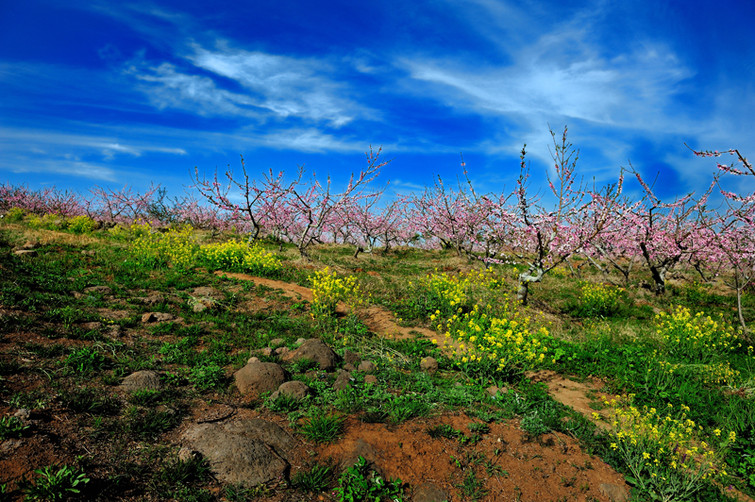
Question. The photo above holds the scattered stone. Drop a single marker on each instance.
(350, 357)
(315, 350)
(253, 359)
(152, 317)
(141, 380)
(266, 351)
(370, 379)
(153, 300)
(361, 449)
(615, 493)
(295, 389)
(275, 342)
(24, 415)
(215, 413)
(102, 290)
(256, 378)
(493, 391)
(281, 351)
(343, 381)
(349, 367)
(186, 454)
(299, 341)
(367, 366)
(246, 453)
(429, 364)
(428, 492)
(207, 292)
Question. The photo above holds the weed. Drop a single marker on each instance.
(151, 423)
(284, 403)
(316, 480)
(86, 400)
(444, 431)
(207, 376)
(472, 487)
(84, 361)
(53, 484)
(12, 427)
(322, 428)
(360, 483)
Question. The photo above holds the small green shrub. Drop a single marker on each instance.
(360, 483)
(12, 427)
(15, 214)
(81, 224)
(84, 361)
(207, 376)
(323, 428)
(315, 480)
(54, 485)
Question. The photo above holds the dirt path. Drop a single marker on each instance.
(384, 323)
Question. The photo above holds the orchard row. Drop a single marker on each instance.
(614, 233)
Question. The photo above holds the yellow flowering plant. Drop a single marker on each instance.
(599, 300)
(695, 337)
(235, 255)
(328, 290)
(663, 449)
(176, 247)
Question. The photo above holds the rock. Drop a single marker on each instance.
(281, 351)
(295, 389)
(315, 350)
(266, 351)
(370, 379)
(275, 342)
(615, 493)
(141, 380)
(153, 300)
(253, 359)
(363, 449)
(102, 290)
(24, 415)
(493, 391)
(367, 366)
(207, 292)
(343, 381)
(299, 341)
(256, 378)
(350, 357)
(91, 326)
(186, 454)
(246, 453)
(349, 367)
(152, 317)
(428, 492)
(429, 364)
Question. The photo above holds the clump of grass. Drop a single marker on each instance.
(323, 428)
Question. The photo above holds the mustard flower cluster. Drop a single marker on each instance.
(177, 247)
(663, 451)
(240, 256)
(714, 374)
(81, 224)
(599, 299)
(452, 291)
(15, 214)
(503, 344)
(328, 290)
(695, 337)
(49, 221)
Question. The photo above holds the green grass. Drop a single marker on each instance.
(74, 371)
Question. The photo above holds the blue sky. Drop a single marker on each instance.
(121, 93)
